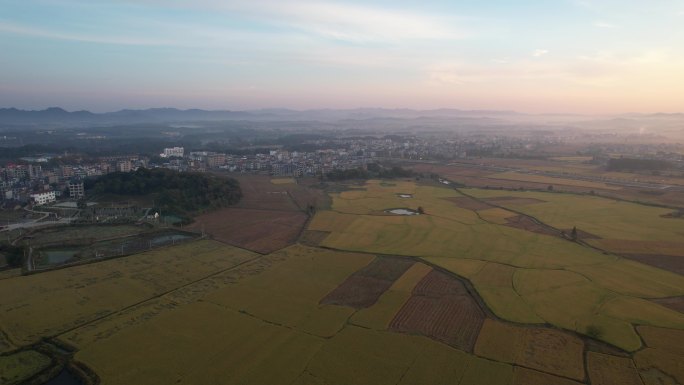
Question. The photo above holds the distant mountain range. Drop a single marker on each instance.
(59, 116)
(56, 116)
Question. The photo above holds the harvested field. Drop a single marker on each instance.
(604, 369)
(674, 303)
(304, 196)
(363, 288)
(259, 193)
(441, 308)
(469, 203)
(437, 284)
(380, 315)
(526, 223)
(515, 201)
(313, 237)
(547, 350)
(257, 230)
(671, 263)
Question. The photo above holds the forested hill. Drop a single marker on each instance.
(180, 192)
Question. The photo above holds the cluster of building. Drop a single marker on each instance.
(279, 162)
(39, 183)
(34, 181)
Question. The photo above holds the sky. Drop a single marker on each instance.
(536, 56)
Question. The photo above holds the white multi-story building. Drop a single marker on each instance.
(44, 197)
(173, 152)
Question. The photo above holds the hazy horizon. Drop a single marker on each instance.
(592, 57)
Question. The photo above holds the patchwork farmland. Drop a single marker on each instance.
(482, 287)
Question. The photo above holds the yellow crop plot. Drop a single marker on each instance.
(522, 276)
(551, 180)
(605, 369)
(204, 312)
(203, 343)
(525, 376)
(288, 293)
(665, 352)
(48, 304)
(546, 350)
(603, 217)
(19, 367)
(283, 181)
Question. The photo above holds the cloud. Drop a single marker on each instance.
(331, 20)
(88, 38)
(347, 22)
(539, 52)
(501, 61)
(605, 25)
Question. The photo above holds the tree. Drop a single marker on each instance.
(594, 331)
(550, 188)
(420, 210)
(14, 255)
(573, 233)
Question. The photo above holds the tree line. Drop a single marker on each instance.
(630, 164)
(179, 192)
(372, 171)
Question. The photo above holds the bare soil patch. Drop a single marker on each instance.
(441, 308)
(513, 201)
(363, 288)
(469, 203)
(259, 193)
(528, 224)
(674, 303)
(262, 231)
(671, 263)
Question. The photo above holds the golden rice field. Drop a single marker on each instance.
(515, 176)
(522, 276)
(541, 309)
(283, 181)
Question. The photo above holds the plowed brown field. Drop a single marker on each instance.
(441, 308)
(363, 288)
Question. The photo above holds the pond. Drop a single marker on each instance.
(169, 238)
(405, 195)
(171, 219)
(55, 257)
(403, 212)
(65, 377)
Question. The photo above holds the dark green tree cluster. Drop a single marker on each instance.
(373, 171)
(175, 191)
(354, 173)
(628, 164)
(13, 254)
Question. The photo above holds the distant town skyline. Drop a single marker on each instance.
(534, 56)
